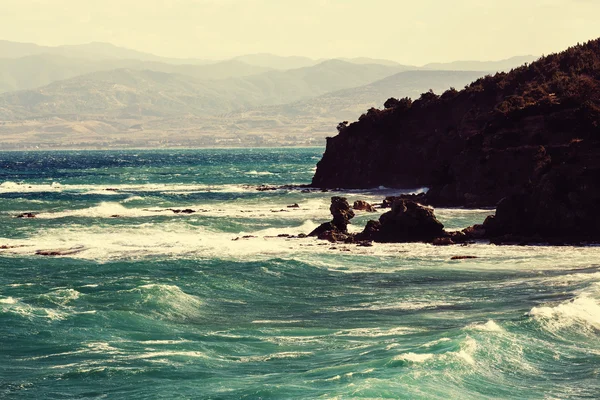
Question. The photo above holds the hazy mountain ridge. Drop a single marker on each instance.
(101, 97)
(90, 51)
(491, 66)
(35, 71)
(161, 93)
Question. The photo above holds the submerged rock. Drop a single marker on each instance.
(178, 211)
(463, 257)
(60, 252)
(26, 215)
(264, 188)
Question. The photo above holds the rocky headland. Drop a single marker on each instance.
(526, 142)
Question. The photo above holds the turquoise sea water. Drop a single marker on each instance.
(153, 304)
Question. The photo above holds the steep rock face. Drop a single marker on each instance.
(562, 206)
(498, 137)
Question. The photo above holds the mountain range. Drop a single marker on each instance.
(78, 96)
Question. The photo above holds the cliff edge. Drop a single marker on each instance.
(531, 135)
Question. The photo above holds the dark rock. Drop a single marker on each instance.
(7, 247)
(302, 235)
(333, 236)
(458, 237)
(370, 232)
(463, 257)
(60, 252)
(264, 188)
(342, 214)
(442, 241)
(178, 211)
(112, 189)
(530, 137)
(362, 205)
(475, 232)
(244, 237)
(295, 205)
(420, 198)
(26, 215)
(408, 222)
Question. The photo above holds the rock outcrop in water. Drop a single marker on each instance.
(337, 229)
(406, 222)
(361, 205)
(530, 137)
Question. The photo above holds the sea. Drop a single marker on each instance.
(166, 274)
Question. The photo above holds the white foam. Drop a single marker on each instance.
(405, 305)
(275, 356)
(489, 326)
(259, 173)
(109, 189)
(8, 300)
(272, 321)
(159, 354)
(467, 351)
(436, 342)
(376, 332)
(413, 357)
(61, 296)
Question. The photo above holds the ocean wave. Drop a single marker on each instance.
(168, 301)
(8, 300)
(582, 312)
(61, 297)
(17, 307)
(489, 326)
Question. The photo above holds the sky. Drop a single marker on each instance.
(412, 32)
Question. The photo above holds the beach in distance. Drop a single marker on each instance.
(167, 274)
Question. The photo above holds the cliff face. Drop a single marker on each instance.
(500, 136)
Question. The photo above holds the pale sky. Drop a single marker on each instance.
(411, 32)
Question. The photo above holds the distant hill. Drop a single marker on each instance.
(346, 103)
(40, 70)
(367, 60)
(90, 51)
(155, 93)
(273, 61)
(489, 66)
(322, 113)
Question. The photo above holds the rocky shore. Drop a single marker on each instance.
(527, 141)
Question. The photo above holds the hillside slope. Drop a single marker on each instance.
(150, 92)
